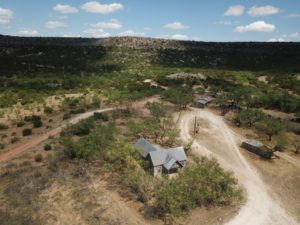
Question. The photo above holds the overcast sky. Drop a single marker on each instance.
(205, 20)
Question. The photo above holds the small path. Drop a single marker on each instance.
(282, 155)
(23, 147)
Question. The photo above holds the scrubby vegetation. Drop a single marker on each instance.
(203, 183)
(111, 71)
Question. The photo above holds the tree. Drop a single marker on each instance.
(157, 110)
(250, 116)
(180, 96)
(271, 126)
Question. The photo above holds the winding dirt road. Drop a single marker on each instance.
(217, 140)
(34, 141)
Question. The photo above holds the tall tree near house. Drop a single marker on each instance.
(271, 127)
(157, 110)
(180, 96)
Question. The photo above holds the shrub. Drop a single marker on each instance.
(20, 124)
(32, 118)
(3, 126)
(203, 184)
(2, 146)
(38, 158)
(66, 116)
(14, 140)
(37, 123)
(47, 147)
(27, 132)
(89, 145)
(78, 111)
(48, 110)
(101, 116)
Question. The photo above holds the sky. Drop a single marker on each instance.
(203, 20)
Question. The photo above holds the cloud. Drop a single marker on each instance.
(276, 40)
(236, 10)
(132, 33)
(62, 17)
(65, 9)
(147, 28)
(259, 26)
(225, 22)
(285, 37)
(97, 33)
(176, 37)
(55, 25)
(112, 24)
(263, 10)
(293, 15)
(176, 26)
(6, 15)
(28, 32)
(293, 35)
(97, 7)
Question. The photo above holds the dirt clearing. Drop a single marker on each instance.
(217, 140)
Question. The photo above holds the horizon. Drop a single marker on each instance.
(212, 21)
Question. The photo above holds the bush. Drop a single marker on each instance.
(20, 124)
(2, 146)
(101, 116)
(32, 118)
(78, 111)
(48, 110)
(66, 116)
(37, 123)
(82, 128)
(14, 140)
(204, 184)
(27, 132)
(89, 145)
(47, 147)
(38, 158)
(3, 126)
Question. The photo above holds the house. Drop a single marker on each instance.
(257, 148)
(165, 161)
(204, 100)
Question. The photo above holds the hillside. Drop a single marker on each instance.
(278, 56)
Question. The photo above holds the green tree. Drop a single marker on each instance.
(271, 126)
(158, 110)
(250, 116)
(180, 96)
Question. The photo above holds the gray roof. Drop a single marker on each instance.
(205, 99)
(166, 157)
(170, 164)
(254, 143)
(161, 157)
(145, 147)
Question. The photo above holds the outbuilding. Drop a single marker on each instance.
(204, 100)
(258, 148)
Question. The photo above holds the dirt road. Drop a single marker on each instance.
(22, 147)
(215, 139)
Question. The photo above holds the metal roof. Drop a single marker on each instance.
(163, 156)
(168, 165)
(254, 143)
(159, 156)
(145, 147)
